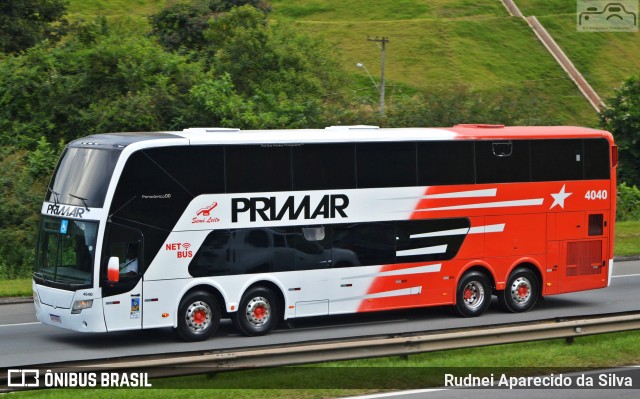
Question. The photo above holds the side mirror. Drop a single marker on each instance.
(113, 270)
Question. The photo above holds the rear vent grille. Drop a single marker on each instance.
(584, 257)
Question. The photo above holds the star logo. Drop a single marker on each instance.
(558, 199)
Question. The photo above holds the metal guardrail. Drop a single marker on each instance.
(317, 352)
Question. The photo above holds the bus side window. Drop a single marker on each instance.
(214, 256)
(367, 243)
(126, 244)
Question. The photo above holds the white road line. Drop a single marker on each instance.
(20, 324)
(389, 394)
(626, 275)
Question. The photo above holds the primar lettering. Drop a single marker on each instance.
(69, 211)
(268, 208)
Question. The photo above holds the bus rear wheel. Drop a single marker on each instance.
(258, 312)
(198, 316)
(473, 295)
(521, 293)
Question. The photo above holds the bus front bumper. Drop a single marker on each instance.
(87, 320)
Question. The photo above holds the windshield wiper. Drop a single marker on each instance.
(56, 197)
(84, 201)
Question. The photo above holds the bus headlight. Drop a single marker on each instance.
(79, 305)
(36, 298)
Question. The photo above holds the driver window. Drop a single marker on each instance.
(125, 244)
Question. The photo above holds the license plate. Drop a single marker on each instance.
(55, 318)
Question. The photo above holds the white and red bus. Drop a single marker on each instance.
(181, 229)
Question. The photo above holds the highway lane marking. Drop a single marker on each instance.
(401, 393)
(20, 324)
(626, 275)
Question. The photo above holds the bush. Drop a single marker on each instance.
(21, 192)
(628, 207)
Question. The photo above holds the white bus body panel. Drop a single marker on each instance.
(53, 307)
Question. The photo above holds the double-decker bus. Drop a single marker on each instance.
(181, 229)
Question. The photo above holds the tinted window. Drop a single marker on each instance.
(214, 256)
(83, 173)
(553, 160)
(324, 166)
(162, 181)
(502, 161)
(258, 168)
(364, 244)
(596, 159)
(445, 162)
(386, 164)
(261, 250)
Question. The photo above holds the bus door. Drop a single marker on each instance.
(122, 301)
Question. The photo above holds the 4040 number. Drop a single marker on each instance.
(593, 195)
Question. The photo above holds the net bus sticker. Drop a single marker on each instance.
(181, 249)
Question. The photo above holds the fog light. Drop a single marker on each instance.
(79, 305)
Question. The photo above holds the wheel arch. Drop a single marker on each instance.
(478, 266)
(274, 287)
(201, 286)
(531, 265)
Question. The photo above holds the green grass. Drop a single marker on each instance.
(21, 287)
(488, 54)
(355, 10)
(87, 9)
(605, 59)
(415, 371)
(627, 238)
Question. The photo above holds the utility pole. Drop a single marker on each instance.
(383, 41)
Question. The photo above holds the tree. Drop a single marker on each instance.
(181, 26)
(622, 118)
(103, 80)
(287, 77)
(24, 23)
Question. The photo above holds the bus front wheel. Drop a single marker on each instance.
(521, 293)
(198, 316)
(258, 312)
(473, 295)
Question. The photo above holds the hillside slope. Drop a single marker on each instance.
(443, 44)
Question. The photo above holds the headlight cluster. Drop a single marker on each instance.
(82, 304)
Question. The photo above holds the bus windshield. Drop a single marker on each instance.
(82, 176)
(65, 253)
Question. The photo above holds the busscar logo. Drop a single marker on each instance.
(204, 215)
(269, 208)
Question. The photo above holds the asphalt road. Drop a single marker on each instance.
(24, 341)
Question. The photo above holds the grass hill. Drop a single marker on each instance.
(605, 59)
(442, 44)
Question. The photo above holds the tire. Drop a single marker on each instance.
(521, 293)
(258, 312)
(473, 295)
(198, 316)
